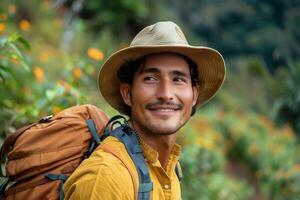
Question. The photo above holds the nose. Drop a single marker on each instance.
(165, 91)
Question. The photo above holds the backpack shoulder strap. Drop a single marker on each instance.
(125, 134)
(178, 171)
(135, 152)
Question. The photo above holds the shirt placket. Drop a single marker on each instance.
(163, 176)
(165, 183)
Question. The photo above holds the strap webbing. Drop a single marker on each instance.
(93, 131)
(3, 186)
(178, 171)
(61, 177)
(96, 138)
(134, 150)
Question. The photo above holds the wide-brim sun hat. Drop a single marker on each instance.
(163, 37)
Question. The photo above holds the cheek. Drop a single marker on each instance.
(187, 96)
(141, 94)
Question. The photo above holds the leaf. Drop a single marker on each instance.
(25, 63)
(24, 42)
(13, 38)
(12, 55)
(7, 69)
(2, 78)
(13, 46)
(4, 73)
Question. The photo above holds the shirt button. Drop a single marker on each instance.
(166, 186)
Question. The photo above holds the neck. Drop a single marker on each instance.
(163, 144)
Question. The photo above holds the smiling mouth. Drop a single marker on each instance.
(164, 108)
(163, 112)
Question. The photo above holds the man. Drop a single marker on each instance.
(158, 81)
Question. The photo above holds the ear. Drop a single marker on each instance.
(125, 93)
(196, 89)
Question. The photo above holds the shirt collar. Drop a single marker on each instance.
(152, 155)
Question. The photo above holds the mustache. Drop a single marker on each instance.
(164, 103)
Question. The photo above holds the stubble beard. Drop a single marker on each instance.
(159, 127)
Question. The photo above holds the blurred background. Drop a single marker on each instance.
(244, 144)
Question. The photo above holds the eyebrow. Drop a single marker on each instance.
(179, 73)
(156, 70)
(149, 70)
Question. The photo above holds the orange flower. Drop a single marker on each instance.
(2, 27)
(267, 122)
(287, 132)
(77, 73)
(24, 25)
(12, 9)
(56, 110)
(38, 74)
(95, 54)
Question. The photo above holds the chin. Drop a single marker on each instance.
(165, 129)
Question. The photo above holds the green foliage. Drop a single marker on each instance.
(112, 15)
(10, 51)
(204, 178)
(268, 153)
(266, 28)
(25, 99)
(287, 106)
(50, 80)
(11, 54)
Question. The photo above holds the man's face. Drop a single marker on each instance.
(161, 96)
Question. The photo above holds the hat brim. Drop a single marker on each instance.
(210, 63)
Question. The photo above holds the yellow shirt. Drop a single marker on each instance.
(103, 176)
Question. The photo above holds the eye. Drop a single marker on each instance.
(179, 80)
(149, 79)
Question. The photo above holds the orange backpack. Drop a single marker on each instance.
(41, 156)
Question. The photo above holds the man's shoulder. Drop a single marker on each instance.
(101, 162)
(102, 172)
(103, 157)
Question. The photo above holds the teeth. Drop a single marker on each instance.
(166, 110)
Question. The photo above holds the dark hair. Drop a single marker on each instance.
(130, 67)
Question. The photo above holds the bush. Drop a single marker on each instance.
(214, 139)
